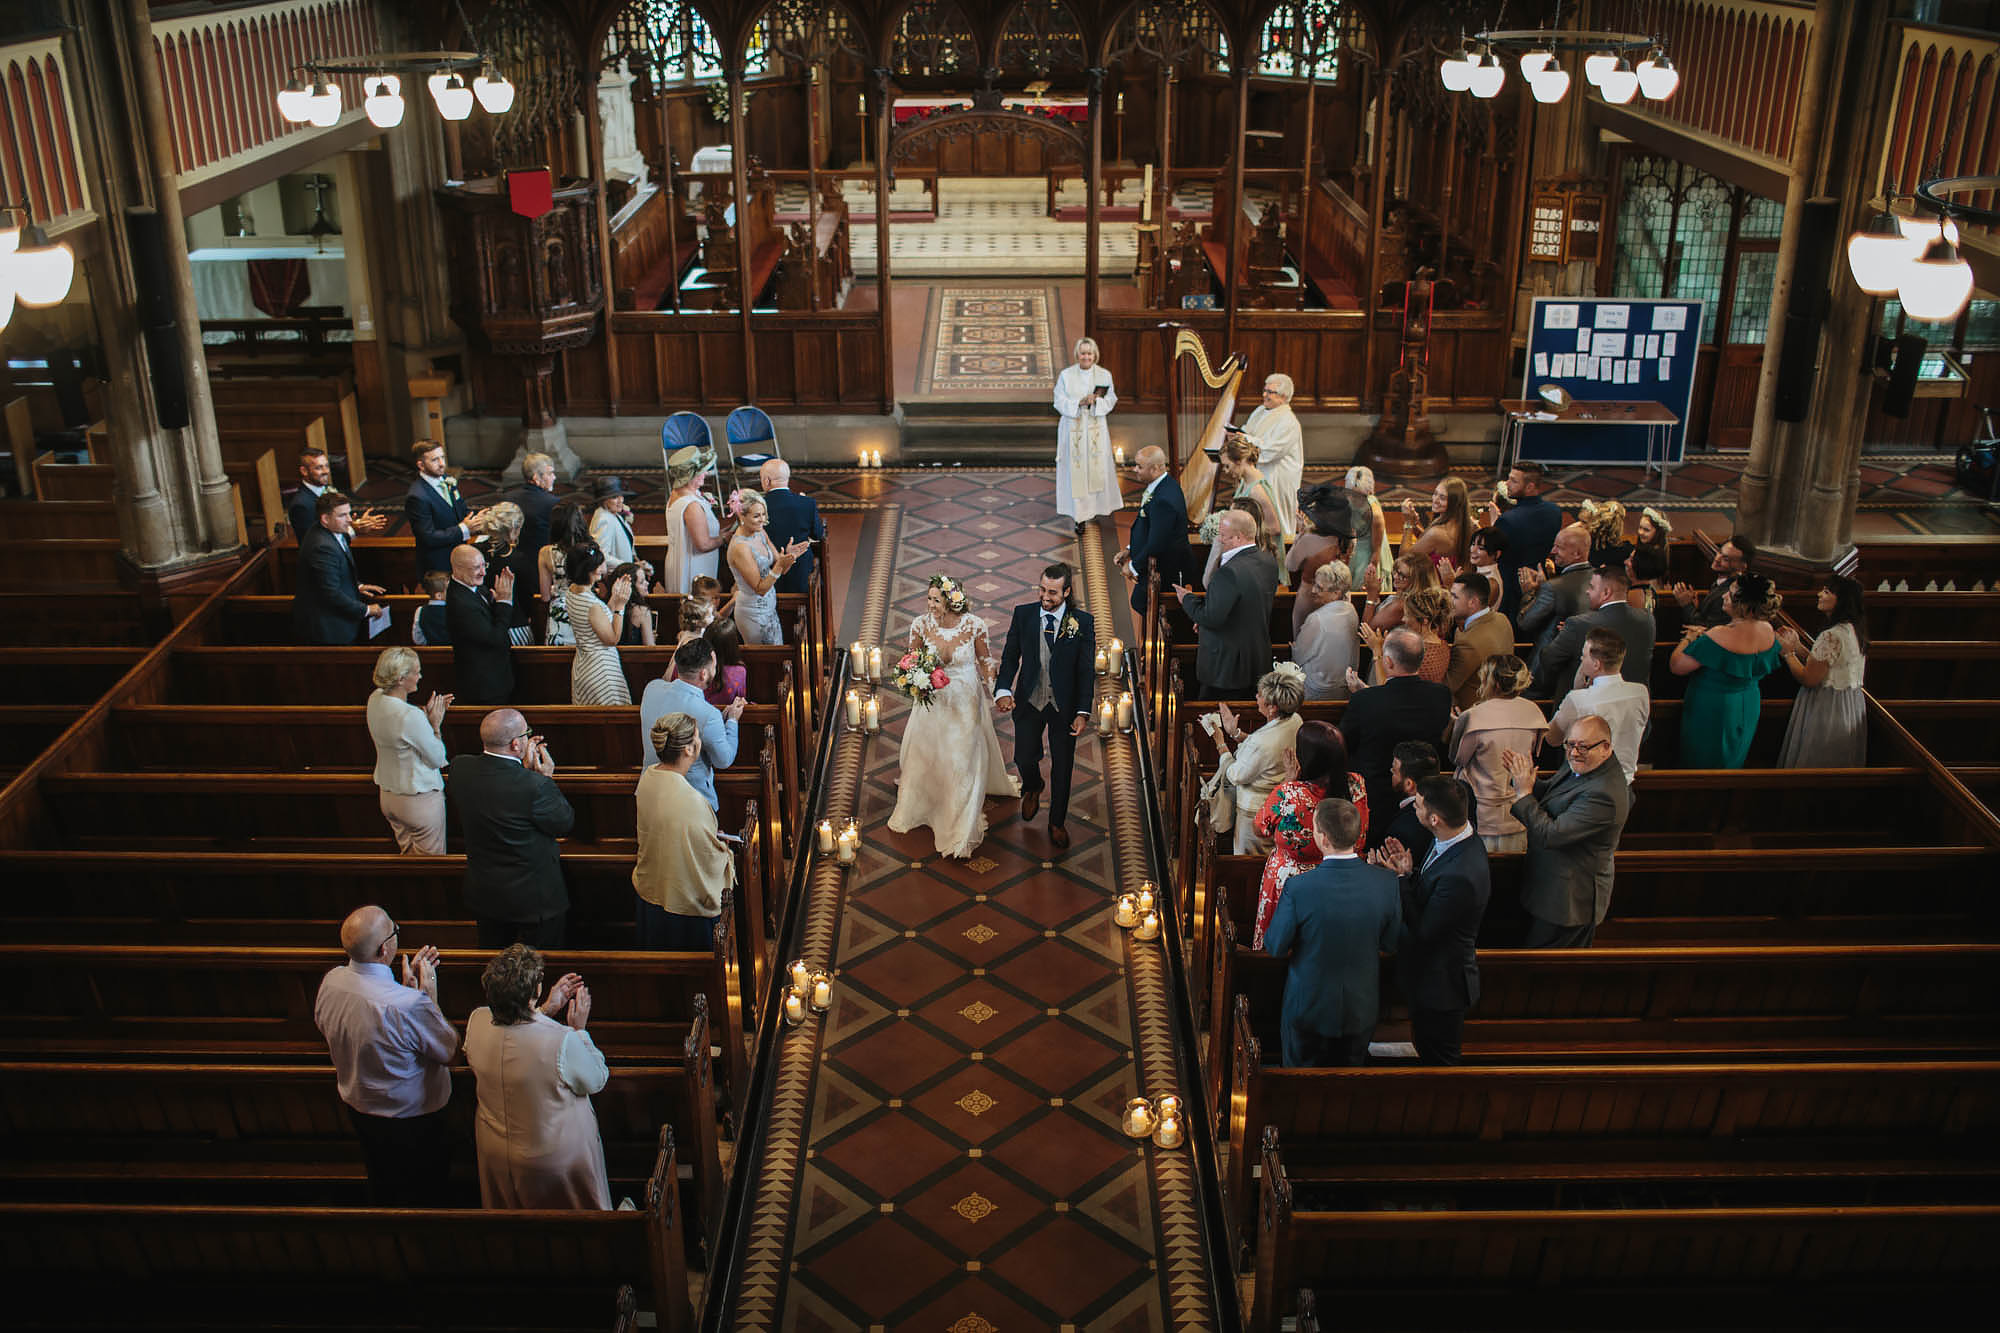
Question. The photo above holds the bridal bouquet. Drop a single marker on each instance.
(920, 674)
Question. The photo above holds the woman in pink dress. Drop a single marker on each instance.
(1315, 765)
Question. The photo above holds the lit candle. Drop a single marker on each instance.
(864, 458)
(1126, 911)
(1146, 193)
(1138, 1117)
(822, 992)
(1118, 454)
(853, 708)
(1105, 717)
(1117, 657)
(826, 835)
(846, 847)
(874, 664)
(1149, 926)
(1124, 712)
(1170, 1105)
(797, 970)
(1168, 1134)
(855, 661)
(1103, 662)
(1145, 900)
(795, 1008)
(872, 715)
(876, 459)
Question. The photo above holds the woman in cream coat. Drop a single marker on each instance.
(1255, 764)
(409, 753)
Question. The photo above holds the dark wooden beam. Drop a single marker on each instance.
(1719, 158)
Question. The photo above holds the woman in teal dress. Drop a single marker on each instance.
(1725, 666)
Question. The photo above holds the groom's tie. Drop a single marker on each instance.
(1049, 629)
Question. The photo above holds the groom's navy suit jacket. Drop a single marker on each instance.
(1072, 661)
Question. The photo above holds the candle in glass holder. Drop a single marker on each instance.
(822, 992)
(1103, 662)
(1145, 901)
(1105, 717)
(1139, 1119)
(853, 708)
(875, 459)
(1124, 712)
(874, 664)
(1126, 911)
(1169, 1105)
(1168, 1133)
(871, 715)
(795, 1007)
(855, 661)
(796, 970)
(826, 835)
(1117, 655)
(1149, 926)
(846, 847)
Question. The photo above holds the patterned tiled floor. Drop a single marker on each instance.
(943, 1149)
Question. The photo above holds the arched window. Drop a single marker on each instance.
(679, 41)
(1301, 39)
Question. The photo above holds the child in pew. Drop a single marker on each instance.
(429, 629)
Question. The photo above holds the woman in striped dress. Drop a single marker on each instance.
(596, 677)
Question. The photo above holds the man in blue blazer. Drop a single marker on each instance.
(1334, 922)
(439, 517)
(329, 603)
(794, 518)
(1160, 533)
(1048, 675)
(1444, 900)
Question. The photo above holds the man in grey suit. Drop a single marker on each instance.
(1555, 671)
(1573, 818)
(1234, 615)
(1546, 602)
(1334, 922)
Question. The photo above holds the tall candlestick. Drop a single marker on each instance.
(853, 708)
(1117, 655)
(1105, 718)
(872, 715)
(1146, 195)
(826, 835)
(874, 664)
(1124, 712)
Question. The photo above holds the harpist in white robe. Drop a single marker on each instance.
(1086, 476)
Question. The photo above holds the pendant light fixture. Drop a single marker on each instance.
(38, 271)
(1621, 84)
(1535, 60)
(1934, 288)
(1877, 254)
(1550, 83)
(454, 100)
(1658, 79)
(314, 97)
(495, 94)
(1597, 65)
(1538, 54)
(384, 103)
(1456, 70)
(1488, 76)
(1916, 255)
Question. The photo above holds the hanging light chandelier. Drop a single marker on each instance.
(1608, 66)
(1914, 257)
(314, 98)
(33, 269)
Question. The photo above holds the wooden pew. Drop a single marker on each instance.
(207, 1133)
(250, 402)
(81, 562)
(1914, 615)
(61, 675)
(1932, 669)
(158, 1265)
(28, 729)
(72, 481)
(175, 1003)
(1804, 1266)
(1957, 731)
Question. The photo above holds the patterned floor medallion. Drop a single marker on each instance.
(944, 1148)
(988, 338)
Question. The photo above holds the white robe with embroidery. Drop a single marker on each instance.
(1086, 476)
(1281, 456)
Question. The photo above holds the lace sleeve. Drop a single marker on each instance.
(916, 634)
(982, 654)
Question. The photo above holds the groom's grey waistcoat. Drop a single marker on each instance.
(1044, 695)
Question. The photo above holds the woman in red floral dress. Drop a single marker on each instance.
(1315, 765)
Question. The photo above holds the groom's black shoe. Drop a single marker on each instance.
(1031, 804)
(1059, 836)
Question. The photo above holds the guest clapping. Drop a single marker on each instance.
(1829, 727)
(409, 753)
(693, 669)
(758, 565)
(1573, 819)
(1256, 765)
(684, 866)
(1327, 644)
(1500, 721)
(1315, 768)
(596, 675)
(1727, 664)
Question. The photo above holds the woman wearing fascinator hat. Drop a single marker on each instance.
(696, 534)
(1725, 666)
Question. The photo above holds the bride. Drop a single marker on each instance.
(951, 760)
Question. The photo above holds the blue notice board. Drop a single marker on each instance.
(1610, 351)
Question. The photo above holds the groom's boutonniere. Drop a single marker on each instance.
(1070, 628)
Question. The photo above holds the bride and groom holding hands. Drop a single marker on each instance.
(1046, 678)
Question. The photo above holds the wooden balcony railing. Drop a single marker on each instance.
(39, 164)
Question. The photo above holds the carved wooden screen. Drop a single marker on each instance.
(935, 37)
(1042, 38)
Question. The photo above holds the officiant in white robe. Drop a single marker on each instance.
(1281, 453)
(1086, 475)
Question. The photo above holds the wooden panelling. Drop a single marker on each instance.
(671, 361)
(1947, 102)
(1742, 63)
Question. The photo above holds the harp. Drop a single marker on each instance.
(1201, 399)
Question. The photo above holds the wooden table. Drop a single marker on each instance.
(1517, 414)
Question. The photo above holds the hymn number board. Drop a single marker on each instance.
(1566, 228)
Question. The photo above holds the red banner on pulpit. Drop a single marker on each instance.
(531, 193)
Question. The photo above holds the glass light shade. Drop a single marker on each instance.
(384, 107)
(1456, 73)
(494, 92)
(1657, 76)
(1877, 256)
(437, 81)
(41, 272)
(1935, 287)
(1489, 78)
(323, 106)
(454, 100)
(1922, 229)
(6, 300)
(292, 100)
(1621, 85)
(395, 82)
(1550, 83)
(1534, 62)
(10, 241)
(1597, 66)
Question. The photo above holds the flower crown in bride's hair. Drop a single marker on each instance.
(954, 596)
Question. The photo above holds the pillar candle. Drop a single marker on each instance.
(1105, 718)
(864, 458)
(853, 708)
(856, 662)
(1149, 927)
(826, 835)
(1146, 195)
(872, 715)
(797, 972)
(822, 993)
(874, 664)
(1138, 1117)
(1168, 1134)
(795, 1008)
(1117, 655)
(1118, 454)
(1103, 662)
(1124, 712)
(1145, 897)
(846, 848)
(1126, 911)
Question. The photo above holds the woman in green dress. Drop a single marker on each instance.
(1725, 666)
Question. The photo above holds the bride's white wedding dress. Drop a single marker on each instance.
(951, 760)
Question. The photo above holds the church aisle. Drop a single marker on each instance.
(942, 1150)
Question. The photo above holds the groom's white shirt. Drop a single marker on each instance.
(1062, 609)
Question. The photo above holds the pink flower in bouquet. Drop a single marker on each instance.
(909, 660)
(938, 679)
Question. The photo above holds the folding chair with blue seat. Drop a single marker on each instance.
(750, 428)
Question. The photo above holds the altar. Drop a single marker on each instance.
(1076, 110)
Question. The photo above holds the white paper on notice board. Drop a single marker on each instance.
(1607, 344)
(1559, 317)
(1666, 369)
(1617, 372)
(1632, 372)
(1664, 316)
(1583, 340)
(1566, 365)
(1667, 341)
(1613, 316)
(1648, 344)
(1590, 366)
(1541, 365)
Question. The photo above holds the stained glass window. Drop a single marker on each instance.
(1301, 39)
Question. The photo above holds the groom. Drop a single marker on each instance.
(1050, 663)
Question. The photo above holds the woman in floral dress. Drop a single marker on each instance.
(1315, 765)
